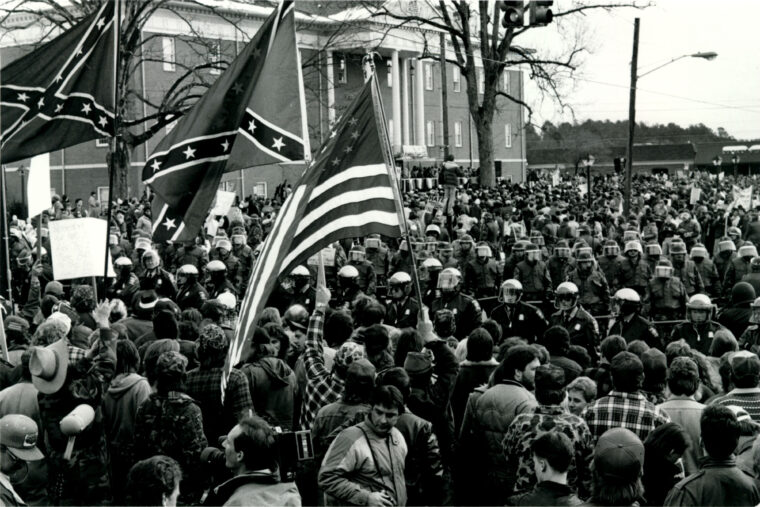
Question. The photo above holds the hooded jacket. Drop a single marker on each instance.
(272, 384)
(124, 396)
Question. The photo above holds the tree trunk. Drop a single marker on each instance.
(120, 166)
(484, 130)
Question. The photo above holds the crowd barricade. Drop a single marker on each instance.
(412, 184)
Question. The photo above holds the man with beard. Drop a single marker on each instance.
(345, 476)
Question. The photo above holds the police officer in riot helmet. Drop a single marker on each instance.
(740, 265)
(610, 260)
(750, 338)
(155, 277)
(244, 254)
(191, 293)
(533, 275)
(403, 307)
(466, 252)
(707, 270)
(377, 253)
(223, 251)
(466, 309)
(652, 254)
(516, 317)
(581, 326)
(627, 321)
(634, 273)
(217, 281)
(753, 277)
(667, 293)
(402, 260)
(357, 257)
(592, 286)
(482, 274)
(446, 255)
(516, 256)
(685, 269)
(699, 329)
(560, 263)
(303, 293)
(431, 268)
(126, 284)
(725, 252)
(348, 286)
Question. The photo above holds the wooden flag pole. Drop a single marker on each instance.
(381, 122)
(3, 341)
(4, 226)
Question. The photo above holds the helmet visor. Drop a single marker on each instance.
(755, 317)
(447, 281)
(663, 271)
(562, 252)
(356, 255)
(612, 250)
(533, 255)
(565, 301)
(698, 316)
(510, 295)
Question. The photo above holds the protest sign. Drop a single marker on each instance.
(223, 202)
(78, 248)
(38, 186)
(695, 195)
(328, 257)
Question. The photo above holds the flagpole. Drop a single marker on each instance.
(114, 140)
(4, 217)
(377, 102)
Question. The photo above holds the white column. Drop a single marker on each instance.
(419, 102)
(396, 95)
(405, 100)
(330, 89)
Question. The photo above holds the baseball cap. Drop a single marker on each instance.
(19, 434)
(619, 455)
(745, 364)
(417, 363)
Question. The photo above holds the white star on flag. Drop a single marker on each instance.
(278, 144)
(189, 152)
(348, 149)
(102, 121)
(336, 161)
(41, 102)
(333, 134)
(156, 165)
(100, 23)
(23, 97)
(59, 77)
(225, 145)
(251, 126)
(353, 121)
(59, 107)
(86, 108)
(169, 224)
(355, 134)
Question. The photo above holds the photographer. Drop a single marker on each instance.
(250, 452)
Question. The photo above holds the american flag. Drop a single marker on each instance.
(61, 94)
(252, 115)
(348, 191)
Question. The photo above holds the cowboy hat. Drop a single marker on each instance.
(48, 366)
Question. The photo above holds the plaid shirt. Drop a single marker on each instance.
(204, 386)
(322, 386)
(76, 354)
(527, 427)
(623, 410)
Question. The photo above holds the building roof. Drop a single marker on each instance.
(641, 153)
(748, 151)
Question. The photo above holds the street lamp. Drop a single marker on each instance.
(588, 161)
(632, 104)
(717, 162)
(735, 159)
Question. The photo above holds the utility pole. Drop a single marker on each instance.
(444, 97)
(631, 119)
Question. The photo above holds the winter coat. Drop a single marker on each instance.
(719, 482)
(471, 376)
(423, 470)
(255, 488)
(272, 383)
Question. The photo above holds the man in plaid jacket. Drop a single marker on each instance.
(624, 406)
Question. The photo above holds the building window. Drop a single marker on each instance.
(101, 143)
(260, 189)
(505, 81)
(428, 76)
(458, 134)
(216, 51)
(342, 73)
(481, 81)
(227, 186)
(508, 135)
(103, 196)
(168, 53)
(430, 133)
(457, 78)
(389, 64)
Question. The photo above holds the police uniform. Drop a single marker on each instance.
(721, 264)
(367, 280)
(689, 275)
(380, 259)
(306, 297)
(699, 337)
(594, 293)
(192, 296)
(401, 261)
(520, 319)
(402, 314)
(535, 280)
(637, 328)
(244, 253)
(430, 292)
(583, 329)
(750, 339)
(559, 268)
(214, 290)
(610, 266)
(466, 311)
(193, 255)
(124, 289)
(737, 268)
(634, 276)
(668, 298)
(161, 281)
(480, 278)
(710, 277)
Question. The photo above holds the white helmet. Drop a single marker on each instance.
(432, 228)
(632, 245)
(510, 291)
(399, 277)
(698, 251)
(699, 308)
(566, 296)
(432, 263)
(449, 279)
(626, 301)
(348, 271)
(300, 271)
(216, 266)
(747, 251)
(123, 261)
(187, 269)
(227, 299)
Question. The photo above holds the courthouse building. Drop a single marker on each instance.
(332, 47)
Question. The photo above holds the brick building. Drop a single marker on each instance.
(332, 49)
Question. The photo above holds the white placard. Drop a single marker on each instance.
(78, 248)
(328, 256)
(38, 186)
(695, 194)
(223, 202)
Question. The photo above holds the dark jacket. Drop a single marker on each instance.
(272, 384)
(660, 475)
(525, 321)
(423, 470)
(471, 375)
(718, 482)
(547, 493)
(736, 318)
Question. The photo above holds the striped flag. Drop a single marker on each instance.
(61, 94)
(252, 115)
(348, 191)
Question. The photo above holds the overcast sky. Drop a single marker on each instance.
(724, 92)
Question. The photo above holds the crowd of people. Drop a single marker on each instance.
(527, 344)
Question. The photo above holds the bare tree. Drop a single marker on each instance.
(475, 32)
